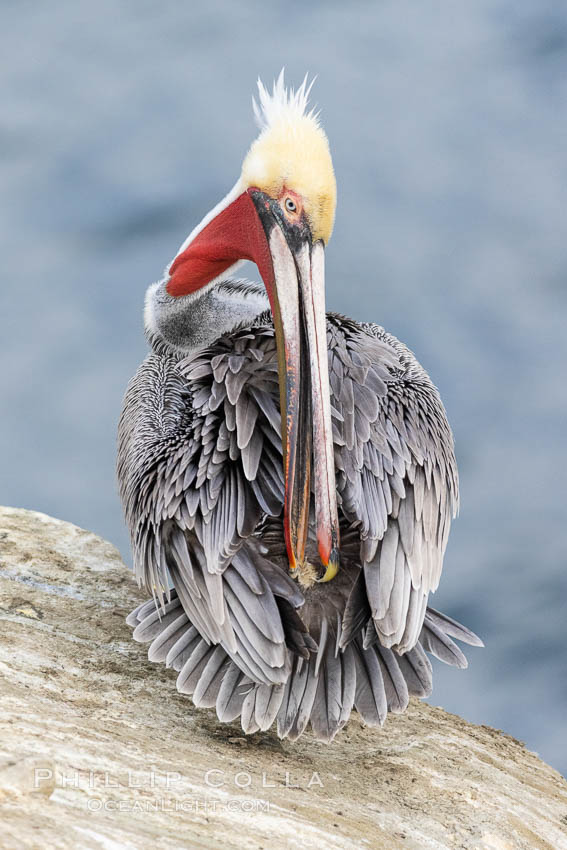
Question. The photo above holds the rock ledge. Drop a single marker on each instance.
(97, 750)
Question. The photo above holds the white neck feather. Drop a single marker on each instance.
(191, 322)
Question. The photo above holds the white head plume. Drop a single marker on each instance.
(282, 104)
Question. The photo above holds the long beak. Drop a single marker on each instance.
(298, 307)
(249, 224)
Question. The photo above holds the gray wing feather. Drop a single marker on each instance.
(397, 473)
(266, 653)
(197, 494)
(261, 607)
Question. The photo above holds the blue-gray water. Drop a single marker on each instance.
(122, 123)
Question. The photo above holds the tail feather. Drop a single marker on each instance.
(348, 685)
(164, 642)
(305, 706)
(452, 628)
(267, 702)
(370, 696)
(437, 643)
(298, 699)
(248, 716)
(140, 613)
(417, 671)
(395, 686)
(292, 696)
(181, 649)
(327, 705)
(191, 671)
(153, 625)
(210, 681)
(321, 689)
(357, 612)
(232, 693)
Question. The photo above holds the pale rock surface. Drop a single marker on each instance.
(97, 750)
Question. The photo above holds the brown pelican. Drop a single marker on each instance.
(290, 558)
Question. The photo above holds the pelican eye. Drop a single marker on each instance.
(290, 205)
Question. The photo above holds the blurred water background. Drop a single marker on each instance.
(122, 123)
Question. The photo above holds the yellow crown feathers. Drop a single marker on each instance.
(292, 150)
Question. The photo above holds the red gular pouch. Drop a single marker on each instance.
(236, 233)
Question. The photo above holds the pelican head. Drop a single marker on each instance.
(280, 215)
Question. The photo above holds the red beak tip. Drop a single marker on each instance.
(328, 555)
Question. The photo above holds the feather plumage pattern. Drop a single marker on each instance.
(200, 473)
